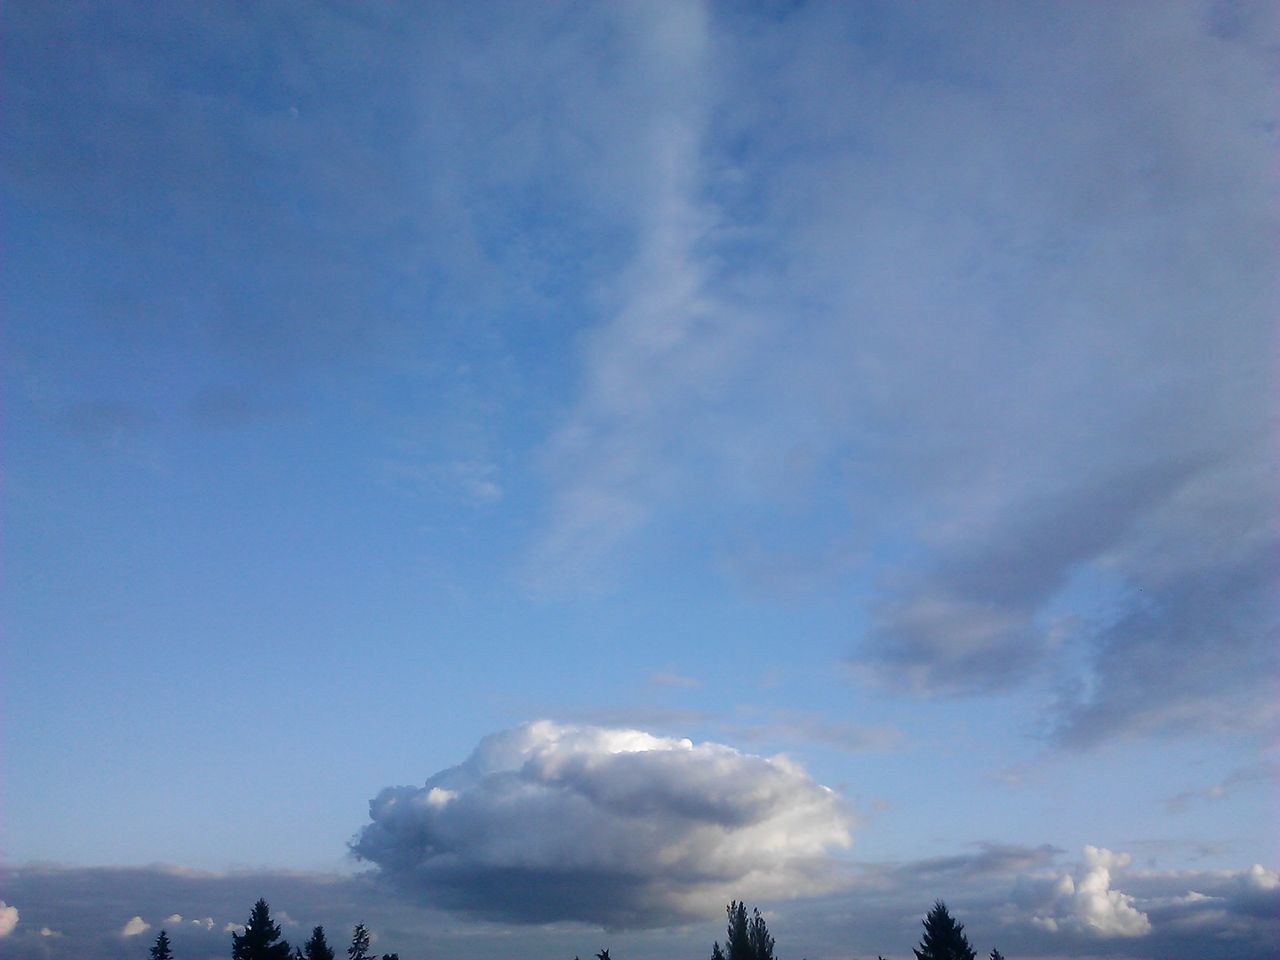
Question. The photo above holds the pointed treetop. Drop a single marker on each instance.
(360, 939)
(261, 937)
(317, 947)
(161, 950)
(943, 938)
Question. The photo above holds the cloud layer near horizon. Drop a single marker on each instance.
(609, 826)
(1000, 892)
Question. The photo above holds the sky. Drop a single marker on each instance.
(523, 475)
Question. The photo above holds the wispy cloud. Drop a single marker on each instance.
(969, 354)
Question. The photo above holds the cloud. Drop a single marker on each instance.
(8, 918)
(849, 737)
(1242, 777)
(134, 927)
(994, 889)
(1085, 902)
(610, 826)
(668, 679)
(993, 332)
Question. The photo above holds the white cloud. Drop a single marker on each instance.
(8, 918)
(1086, 903)
(206, 922)
(1259, 879)
(173, 918)
(614, 826)
(49, 932)
(135, 927)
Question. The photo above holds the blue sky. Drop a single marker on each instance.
(875, 401)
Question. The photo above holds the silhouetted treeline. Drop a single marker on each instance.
(747, 937)
(261, 940)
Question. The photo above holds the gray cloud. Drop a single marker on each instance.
(996, 890)
(610, 826)
(1253, 775)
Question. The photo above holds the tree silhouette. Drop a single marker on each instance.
(318, 947)
(261, 937)
(943, 938)
(996, 955)
(745, 938)
(737, 942)
(161, 950)
(359, 949)
(758, 935)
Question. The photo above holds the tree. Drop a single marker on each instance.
(359, 949)
(745, 938)
(943, 938)
(261, 937)
(758, 935)
(317, 946)
(603, 954)
(737, 944)
(161, 950)
(996, 955)
(391, 956)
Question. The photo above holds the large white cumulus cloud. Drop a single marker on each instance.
(1087, 904)
(618, 827)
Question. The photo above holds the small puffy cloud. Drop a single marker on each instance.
(1086, 903)
(47, 932)
(612, 826)
(206, 922)
(135, 927)
(233, 928)
(8, 918)
(173, 918)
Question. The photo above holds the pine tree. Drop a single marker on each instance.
(359, 949)
(737, 942)
(943, 938)
(996, 955)
(261, 938)
(716, 952)
(318, 947)
(161, 950)
(758, 936)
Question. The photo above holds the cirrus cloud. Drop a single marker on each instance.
(618, 827)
